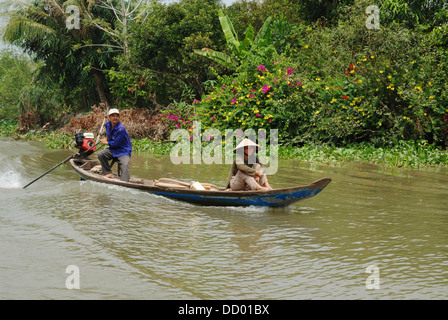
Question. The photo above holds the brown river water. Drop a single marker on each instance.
(373, 233)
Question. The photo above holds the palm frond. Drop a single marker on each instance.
(20, 28)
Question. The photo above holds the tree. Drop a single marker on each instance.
(125, 12)
(40, 28)
(161, 61)
(414, 12)
(16, 72)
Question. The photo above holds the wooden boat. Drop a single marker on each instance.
(212, 196)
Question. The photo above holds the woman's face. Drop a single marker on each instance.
(249, 150)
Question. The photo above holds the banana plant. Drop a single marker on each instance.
(238, 49)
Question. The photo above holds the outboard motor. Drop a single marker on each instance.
(85, 143)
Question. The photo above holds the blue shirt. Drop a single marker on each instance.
(118, 140)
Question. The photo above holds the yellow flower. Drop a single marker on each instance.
(373, 57)
(431, 97)
(306, 47)
(317, 112)
(381, 71)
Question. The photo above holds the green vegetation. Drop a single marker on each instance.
(334, 89)
(405, 154)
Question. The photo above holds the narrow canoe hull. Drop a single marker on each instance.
(273, 198)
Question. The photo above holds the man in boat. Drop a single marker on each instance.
(247, 172)
(120, 147)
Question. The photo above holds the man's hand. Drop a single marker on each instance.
(104, 141)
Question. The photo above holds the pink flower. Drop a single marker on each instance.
(289, 71)
(196, 101)
(213, 118)
(265, 88)
(299, 83)
(261, 68)
(258, 115)
(251, 96)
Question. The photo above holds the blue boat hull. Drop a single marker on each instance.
(273, 198)
(268, 200)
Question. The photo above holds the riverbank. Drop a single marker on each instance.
(407, 154)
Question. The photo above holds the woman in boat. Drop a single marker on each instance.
(247, 172)
(120, 147)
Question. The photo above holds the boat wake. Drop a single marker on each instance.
(10, 179)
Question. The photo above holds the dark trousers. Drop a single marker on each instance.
(104, 156)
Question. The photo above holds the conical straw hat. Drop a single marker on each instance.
(247, 143)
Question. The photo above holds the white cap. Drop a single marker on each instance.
(112, 111)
